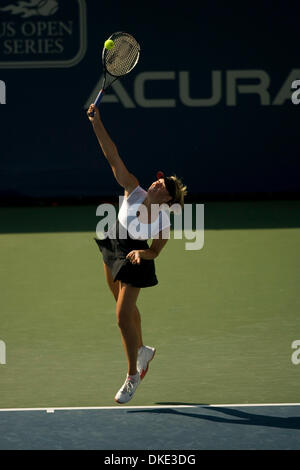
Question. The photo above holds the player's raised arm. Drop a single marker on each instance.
(126, 179)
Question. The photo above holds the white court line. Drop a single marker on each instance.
(228, 405)
(51, 409)
(83, 408)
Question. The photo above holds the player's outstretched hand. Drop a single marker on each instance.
(93, 113)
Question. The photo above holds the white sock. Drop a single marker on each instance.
(133, 377)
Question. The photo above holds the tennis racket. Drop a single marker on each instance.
(118, 61)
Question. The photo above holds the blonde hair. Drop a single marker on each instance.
(181, 190)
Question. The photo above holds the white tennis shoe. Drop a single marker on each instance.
(127, 390)
(145, 355)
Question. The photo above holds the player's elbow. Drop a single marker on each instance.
(157, 246)
(111, 154)
(154, 252)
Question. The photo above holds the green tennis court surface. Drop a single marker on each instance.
(222, 319)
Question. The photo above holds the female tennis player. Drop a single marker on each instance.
(128, 259)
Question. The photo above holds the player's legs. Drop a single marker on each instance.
(138, 325)
(126, 314)
(113, 285)
(115, 288)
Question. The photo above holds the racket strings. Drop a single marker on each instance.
(123, 57)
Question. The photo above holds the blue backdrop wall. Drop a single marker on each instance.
(210, 99)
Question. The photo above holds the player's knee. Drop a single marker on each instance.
(123, 318)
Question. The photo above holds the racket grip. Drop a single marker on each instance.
(99, 98)
(97, 101)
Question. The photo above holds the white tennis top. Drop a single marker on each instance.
(129, 213)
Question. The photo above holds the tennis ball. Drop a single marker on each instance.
(109, 44)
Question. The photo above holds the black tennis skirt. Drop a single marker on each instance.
(114, 252)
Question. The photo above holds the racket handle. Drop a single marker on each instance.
(97, 100)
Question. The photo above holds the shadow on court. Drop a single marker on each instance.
(237, 417)
(203, 427)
